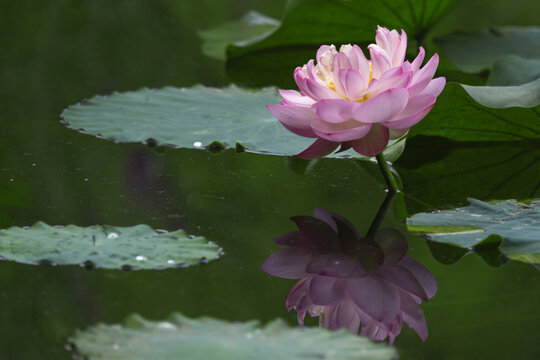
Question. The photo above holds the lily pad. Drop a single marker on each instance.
(484, 113)
(198, 117)
(136, 247)
(437, 172)
(501, 97)
(513, 70)
(477, 51)
(250, 28)
(515, 224)
(316, 22)
(205, 338)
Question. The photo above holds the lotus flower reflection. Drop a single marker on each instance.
(350, 281)
(351, 101)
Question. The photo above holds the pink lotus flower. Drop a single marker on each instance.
(349, 281)
(350, 101)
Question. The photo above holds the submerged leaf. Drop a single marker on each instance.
(513, 226)
(136, 247)
(446, 253)
(206, 338)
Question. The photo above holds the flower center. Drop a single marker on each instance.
(329, 82)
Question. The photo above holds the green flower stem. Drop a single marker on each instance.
(392, 189)
(387, 173)
(376, 223)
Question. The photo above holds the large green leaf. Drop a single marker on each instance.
(484, 144)
(202, 117)
(484, 113)
(477, 51)
(438, 173)
(316, 22)
(205, 338)
(516, 224)
(197, 117)
(136, 247)
(250, 28)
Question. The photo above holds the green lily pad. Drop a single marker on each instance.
(250, 28)
(477, 51)
(484, 113)
(513, 70)
(316, 22)
(205, 338)
(210, 118)
(136, 247)
(501, 97)
(513, 225)
(198, 117)
(437, 172)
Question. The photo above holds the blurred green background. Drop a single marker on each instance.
(56, 53)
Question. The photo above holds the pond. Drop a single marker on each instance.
(58, 53)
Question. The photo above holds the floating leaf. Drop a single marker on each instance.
(484, 113)
(437, 172)
(476, 51)
(513, 70)
(250, 28)
(501, 97)
(136, 247)
(515, 224)
(206, 338)
(197, 117)
(316, 22)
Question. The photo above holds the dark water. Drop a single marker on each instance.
(56, 53)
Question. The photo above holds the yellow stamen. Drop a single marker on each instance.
(330, 84)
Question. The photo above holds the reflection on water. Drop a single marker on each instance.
(52, 174)
(351, 281)
(44, 305)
